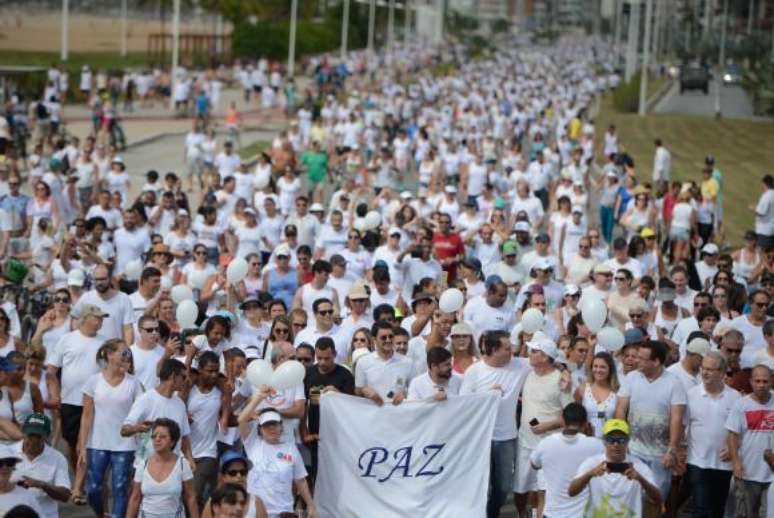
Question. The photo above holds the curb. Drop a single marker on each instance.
(650, 104)
(158, 136)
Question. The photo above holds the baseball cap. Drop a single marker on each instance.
(472, 263)
(92, 310)
(510, 248)
(521, 226)
(543, 264)
(37, 424)
(615, 425)
(6, 365)
(248, 301)
(233, 455)
(578, 209)
(492, 280)
(647, 232)
(357, 292)
(571, 289)
(698, 346)
(8, 452)
(666, 295)
(316, 207)
(422, 192)
(461, 329)
(282, 250)
(543, 238)
(710, 248)
(406, 195)
(393, 231)
(269, 417)
(450, 189)
(546, 346)
(633, 336)
(76, 277)
(619, 243)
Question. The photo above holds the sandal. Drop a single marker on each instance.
(79, 500)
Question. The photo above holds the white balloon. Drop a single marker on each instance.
(180, 293)
(372, 220)
(594, 313)
(133, 270)
(451, 300)
(611, 338)
(166, 283)
(259, 373)
(262, 180)
(532, 320)
(359, 224)
(288, 375)
(197, 278)
(237, 270)
(186, 313)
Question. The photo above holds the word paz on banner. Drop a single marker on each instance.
(373, 458)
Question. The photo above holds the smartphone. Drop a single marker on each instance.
(617, 467)
(534, 421)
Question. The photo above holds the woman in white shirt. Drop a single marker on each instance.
(196, 273)
(683, 224)
(288, 187)
(163, 487)
(107, 398)
(117, 180)
(277, 466)
(181, 240)
(598, 395)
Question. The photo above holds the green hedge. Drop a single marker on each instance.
(626, 98)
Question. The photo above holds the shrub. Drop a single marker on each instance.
(626, 98)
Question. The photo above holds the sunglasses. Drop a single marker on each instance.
(325, 312)
(200, 252)
(636, 315)
(7, 463)
(126, 354)
(237, 473)
(620, 279)
(359, 340)
(150, 329)
(282, 330)
(760, 304)
(617, 440)
(63, 300)
(304, 360)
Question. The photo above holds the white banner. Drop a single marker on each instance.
(428, 459)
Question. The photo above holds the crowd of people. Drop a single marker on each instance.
(356, 221)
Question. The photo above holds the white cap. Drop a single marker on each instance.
(578, 208)
(76, 277)
(282, 250)
(710, 248)
(272, 416)
(316, 207)
(182, 212)
(545, 345)
(450, 189)
(542, 264)
(461, 329)
(406, 195)
(698, 346)
(8, 452)
(394, 230)
(118, 160)
(521, 226)
(571, 289)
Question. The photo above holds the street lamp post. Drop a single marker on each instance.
(65, 28)
(292, 43)
(633, 39)
(345, 29)
(123, 28)
(175, 50)
(721, 60)
(391, 24)
(645, 59)
(371, 21)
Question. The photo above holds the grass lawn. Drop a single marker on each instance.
(743, 150)
(96, 60)
(254, 148)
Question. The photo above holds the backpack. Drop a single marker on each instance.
(41, 112)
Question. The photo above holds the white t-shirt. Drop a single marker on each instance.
(152, 405)
(163, 499)
(764, 214)
(706, 432)
(130, 245)
(681, 216)
(118, 308)
(541, 399)
(751, 421)
(650, 404)
(422, 387)
(204, 408)
(484, 317)
(145, 363)
(111, 406)
(558, 455)
(480, 377)
(384, 376)
(50, 467)
(753, 339)
(613, 494)
(275, 468)
(19, 496)
(283, 400)
(76, 355)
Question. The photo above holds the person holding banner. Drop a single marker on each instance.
(501, 372)
(383, 375)
(439, 381)
(277, 466)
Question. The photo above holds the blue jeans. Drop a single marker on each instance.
(501, 470)
(710, 491)
(97, 462)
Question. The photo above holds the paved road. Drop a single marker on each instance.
(734, 102)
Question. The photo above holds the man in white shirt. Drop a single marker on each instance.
(749, 443)
(751, 326)
(764, 213)
(653, 401)
(115, 304)
(708, 266)
(439, 381)
(662, 163)
(147, 296)
(227, 162)
(558, 457)
(709, 469)
(383, 375)
(488, 312)
(131, 241)
(621, 259)
(687, 369)
(147, 352)
(614, 483)
(500, 372)
(684, 294)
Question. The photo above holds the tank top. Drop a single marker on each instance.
(310, 294)
(744, 268)
(252, 286)
(23, 407)
(662, 322)
(599, 412)
(283, 286)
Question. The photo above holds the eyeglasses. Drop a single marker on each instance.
(364, 340)
(200, 252)
(150, 329)
(299, 325)
(620, 441)
(760, 304)
(620, 279)
(62, 300)
(325, 312)
(237, 473)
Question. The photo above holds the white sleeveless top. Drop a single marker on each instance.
(669, 325)
(600, 412)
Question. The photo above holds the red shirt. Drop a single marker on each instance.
(445, 247)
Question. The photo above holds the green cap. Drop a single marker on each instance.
(499, 203)
(510, 248)
(37, 424)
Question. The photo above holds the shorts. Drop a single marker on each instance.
(527, 478)
(661, 475)
(679, 234)
(71, 423)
